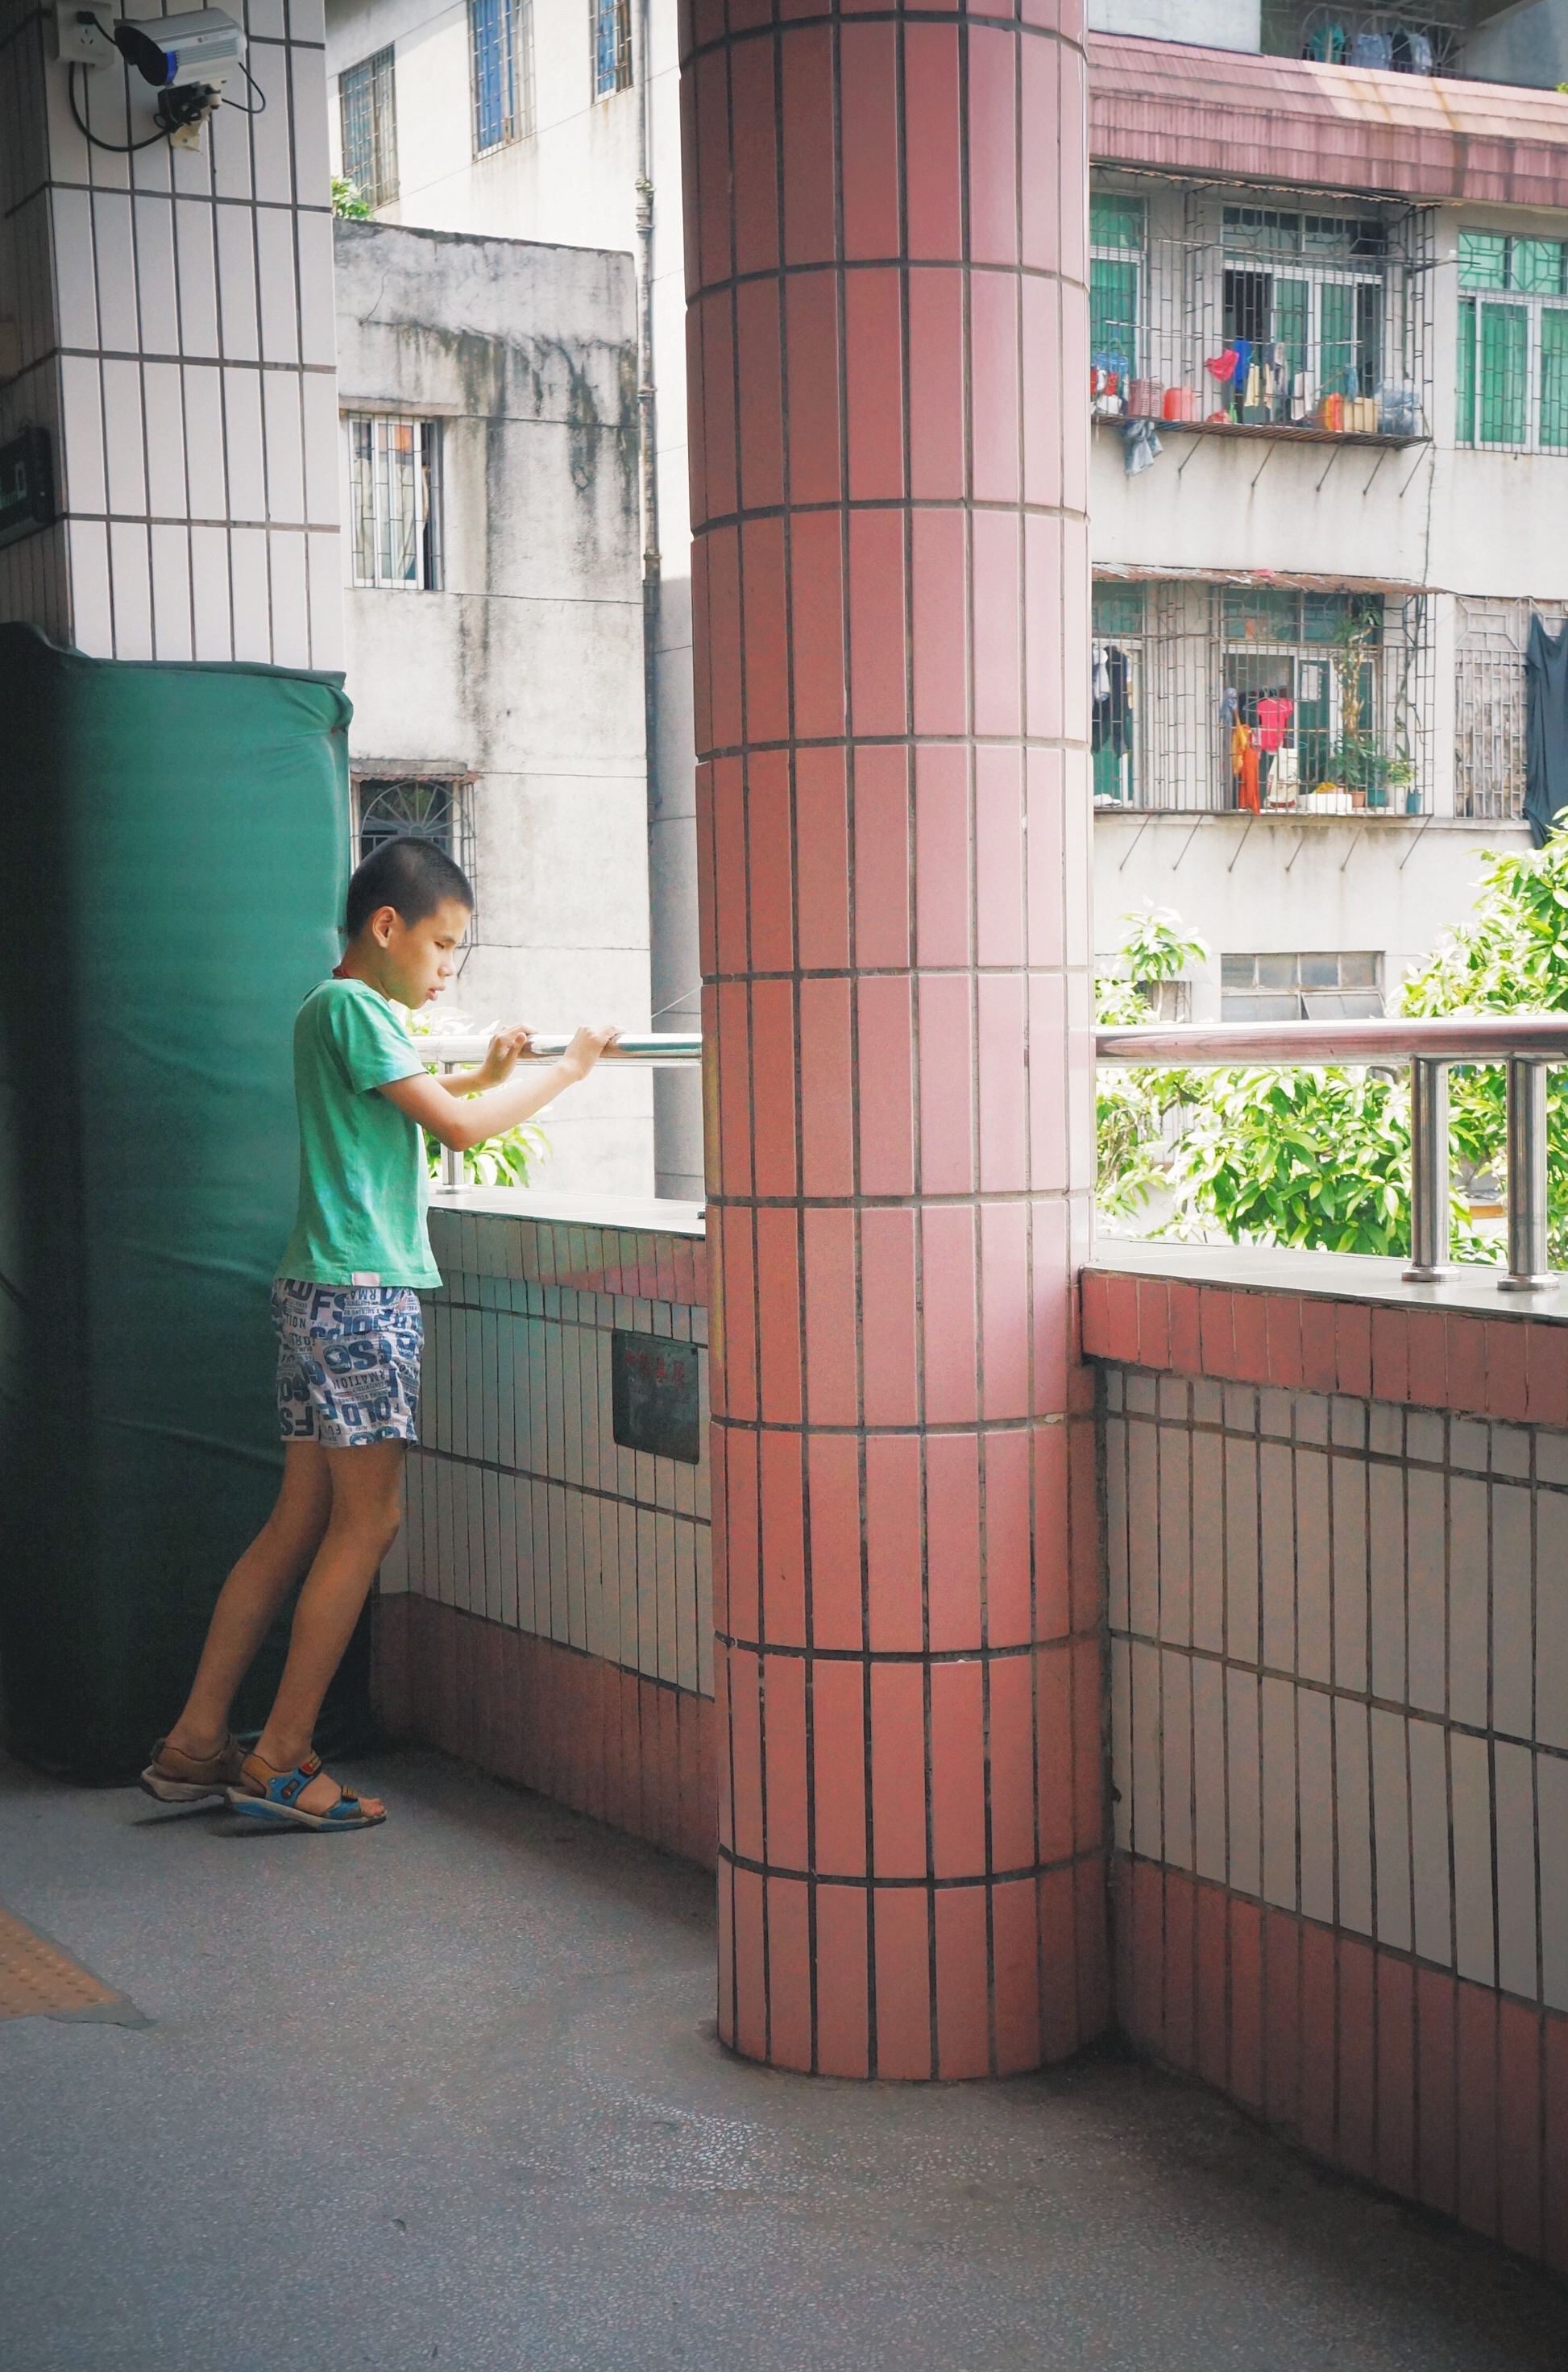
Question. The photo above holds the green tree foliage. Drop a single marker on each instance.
(1319, 1158)
(500, 1160)
(1511, 957)
(348, 200)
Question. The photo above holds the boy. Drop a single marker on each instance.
(347, 1314)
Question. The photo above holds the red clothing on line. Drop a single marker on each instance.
(1274, 721)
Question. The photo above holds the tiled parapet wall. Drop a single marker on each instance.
(547, 1613)
(1336, 1572)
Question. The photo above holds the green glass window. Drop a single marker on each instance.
(1256, 614)
(1118, 610)
(1262, 230)
(1293, 325)
(1115, 222)
(1113, 308)
(1555, 375)
(1483, 259)
(1338, 352)
(1502, 363)
(1535, 266)
(1325, 615)
(1465, 426)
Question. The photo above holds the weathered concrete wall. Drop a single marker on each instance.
(574, 180)
(1524, 45)
(1209, 24)
(1286, 885)
(526, 665)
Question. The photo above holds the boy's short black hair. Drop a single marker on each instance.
(414, 876)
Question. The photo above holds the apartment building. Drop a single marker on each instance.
(1336, 302)
(1328, 367)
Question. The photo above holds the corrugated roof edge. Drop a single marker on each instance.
(1228, 115)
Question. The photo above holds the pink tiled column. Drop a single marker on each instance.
(886, 260)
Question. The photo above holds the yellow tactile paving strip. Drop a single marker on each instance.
(37, 1980)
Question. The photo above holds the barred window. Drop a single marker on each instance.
(367, 102)
(412, 806)
(612, 46)
(501, 36)
(1117, 242)
(1513, 342)
(1337, 984)
(395, 497)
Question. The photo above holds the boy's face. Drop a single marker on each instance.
(415, 960)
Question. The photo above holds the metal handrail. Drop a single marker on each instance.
(1528, 1042)
(635, 1046)
(660, 1048)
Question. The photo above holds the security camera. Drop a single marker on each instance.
(173, 53)
(187, 59)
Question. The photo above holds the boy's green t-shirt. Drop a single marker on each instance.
(363, 1183)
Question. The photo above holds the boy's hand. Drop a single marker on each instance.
(506, 1051)
(585, 1049)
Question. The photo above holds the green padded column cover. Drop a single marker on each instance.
(175, 849)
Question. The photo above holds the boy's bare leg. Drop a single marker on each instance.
(251, 1596)
(366, 1509)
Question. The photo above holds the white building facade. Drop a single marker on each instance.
(494, 628)
(1312, 605)
(1340, 551)
(557, 122)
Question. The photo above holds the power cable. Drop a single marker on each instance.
(115, 147)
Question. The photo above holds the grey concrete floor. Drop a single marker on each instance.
(446, 2094)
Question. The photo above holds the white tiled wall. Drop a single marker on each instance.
(175, 315)
(1340, 1665)
(521, 1506)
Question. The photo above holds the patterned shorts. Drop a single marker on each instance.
(348, 1362)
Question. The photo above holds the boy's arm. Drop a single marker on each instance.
(461, 1124)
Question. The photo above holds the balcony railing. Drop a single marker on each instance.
(1528, 1044)
(660, 1049)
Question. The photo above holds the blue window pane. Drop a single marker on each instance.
(491, 24)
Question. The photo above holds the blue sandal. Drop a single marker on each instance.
(272, 1797)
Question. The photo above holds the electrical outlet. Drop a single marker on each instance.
(84, 35)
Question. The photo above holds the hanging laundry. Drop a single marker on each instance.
(1100, 673)
(1546, 729)
(1418, 56)
(1242, 349)
(1110, 715)
(1273, 720)
(1230, 705)
(1140, 447)
(1244, 766)
(1223, 367)
(1375, 50)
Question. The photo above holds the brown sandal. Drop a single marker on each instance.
(172, 1777)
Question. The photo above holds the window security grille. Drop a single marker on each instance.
(1117, 693)
(1232, 317)
(1404, 36)
(367, 102)
(395, 494)
(612, 46)
(1339, 985)
(406, 806)
(500, 37)
(1334, 688)
(1513, 344)
(1489, 722)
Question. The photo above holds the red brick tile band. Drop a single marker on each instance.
(886, 268)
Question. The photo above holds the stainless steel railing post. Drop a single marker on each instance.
(451, 1161)
(1528, 1258)
(1429, 1171)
